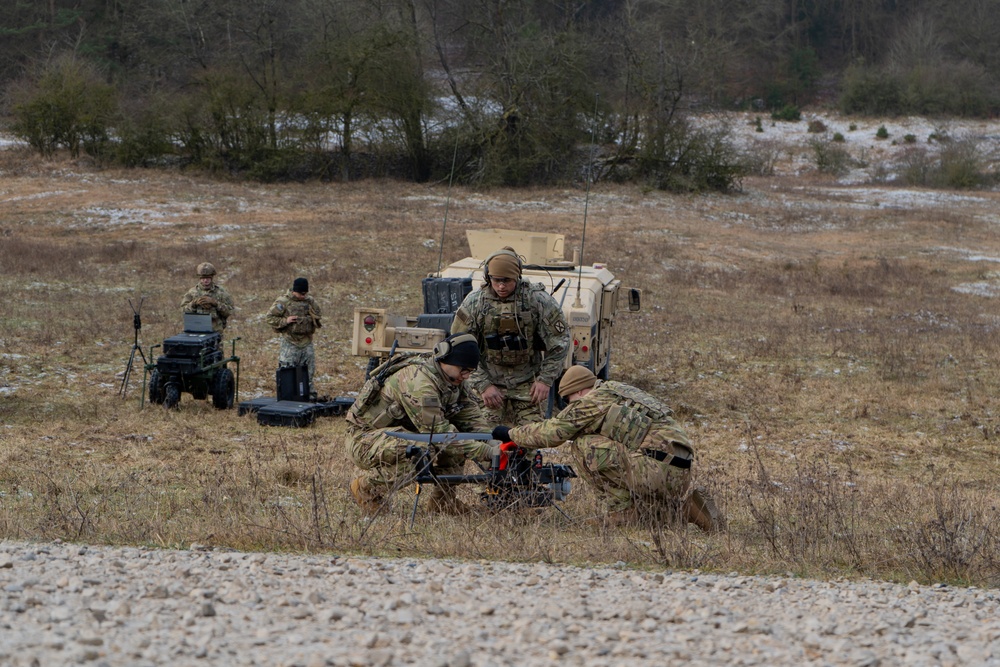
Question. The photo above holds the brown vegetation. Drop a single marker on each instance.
(830, 349)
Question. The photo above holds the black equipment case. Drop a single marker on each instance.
(287, 413)
(334, 408)
(190, 352)
(254, 404)
(293, 383)
(444, 295)
(440, 321)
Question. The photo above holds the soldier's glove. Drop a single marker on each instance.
(209, 302)
(501, 433)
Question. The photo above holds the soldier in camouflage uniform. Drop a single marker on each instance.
(416, 393)
(627, 446)
(524, 338)
(207, 298)
(296, 316)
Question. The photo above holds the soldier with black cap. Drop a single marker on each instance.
(296, 316)
(209, 298)
(627, 446)
(415, 393)
(523, 335)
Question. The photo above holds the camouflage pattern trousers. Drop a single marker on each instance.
(383, 456)
(517, 408)
(628, 479)
(293, 355)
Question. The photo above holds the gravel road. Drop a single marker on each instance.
(67, 604)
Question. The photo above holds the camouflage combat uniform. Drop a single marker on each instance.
(614, 429)
(522, 338)
(220, 312)
(296, 338)
(415, 398)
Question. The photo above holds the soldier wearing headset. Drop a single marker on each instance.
(523, 336)
(415, 393)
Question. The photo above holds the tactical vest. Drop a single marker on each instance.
(306, 324)
(370, 408)
(629, 420)
(509, 329)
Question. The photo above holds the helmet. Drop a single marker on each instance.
(205, 269)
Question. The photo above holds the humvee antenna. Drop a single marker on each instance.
(586, 205)
(447, 203)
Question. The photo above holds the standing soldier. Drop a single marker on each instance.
(207, 298)
(628, 447)
(296, 316)
(416, 393)
(523, 334)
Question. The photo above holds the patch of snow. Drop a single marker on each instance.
(10, 141)
(99, 216)
(989, 290)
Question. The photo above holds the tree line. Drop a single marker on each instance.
(488, 91)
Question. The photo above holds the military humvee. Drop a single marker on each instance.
(589, 296)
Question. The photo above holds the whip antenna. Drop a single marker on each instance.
(586, 204)
(447, 203)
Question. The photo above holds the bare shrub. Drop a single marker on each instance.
(761, 158)
(915, 166)
(961, 165)
(956, 538)
(830, 158)
(816, 127)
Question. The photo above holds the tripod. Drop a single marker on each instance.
(137, 324)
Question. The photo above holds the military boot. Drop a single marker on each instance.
(702, 511)
(365, 496)
(443, 501)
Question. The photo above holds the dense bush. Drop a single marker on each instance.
(961, 89)
(68, 105)
(870, 91)
(686, 159)
(789, 112)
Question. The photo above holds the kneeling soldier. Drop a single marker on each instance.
(415, 393)
(627, 446)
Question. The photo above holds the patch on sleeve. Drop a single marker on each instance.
(430, 402)
(279, 307)
(462, 315)
(560, 326)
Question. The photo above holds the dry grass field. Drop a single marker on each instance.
(832, 349)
